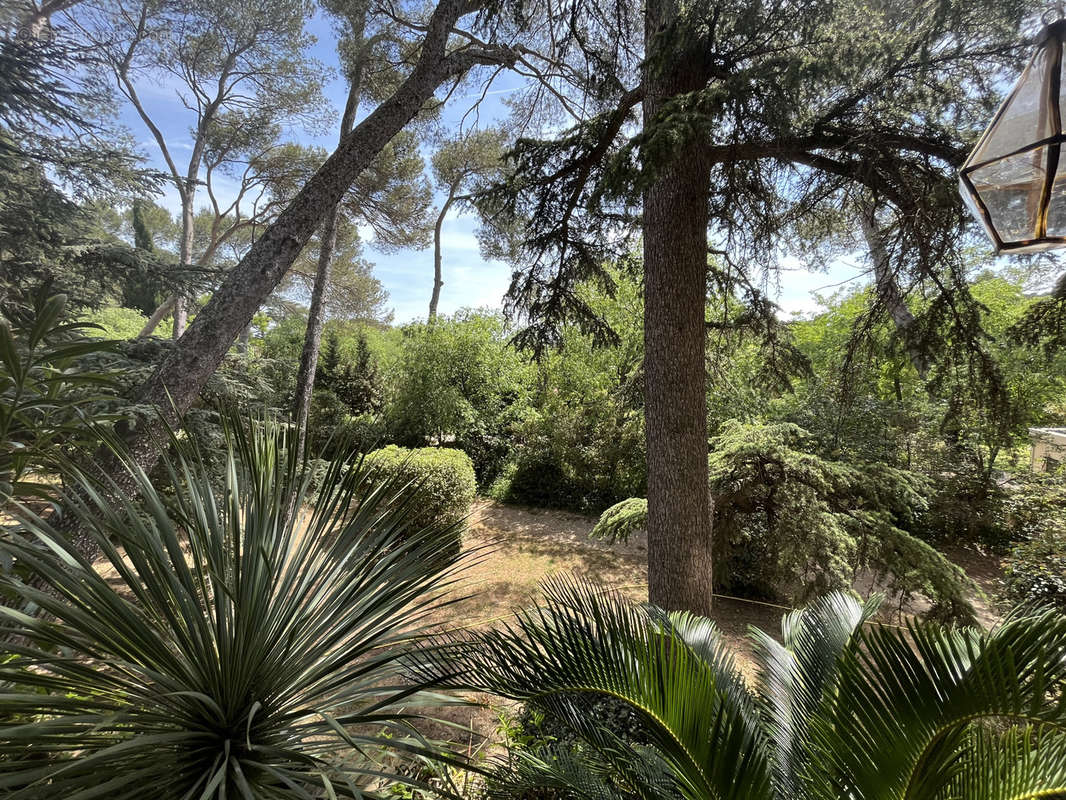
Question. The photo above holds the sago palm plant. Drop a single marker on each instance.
(841, 708)
(224, 647)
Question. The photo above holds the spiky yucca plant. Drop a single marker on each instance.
(842, 709)
(235, 650)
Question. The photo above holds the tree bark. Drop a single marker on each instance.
(188, 223)
(316, 312)
(157, 316)
(887, 289)
(675, 270)
(177, 381)
(438, 281)
(181, 316)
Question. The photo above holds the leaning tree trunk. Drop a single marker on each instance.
(177, 382)
(438, 257)
(888, 292)
(675, 270)
(157, 317)
(316, 312)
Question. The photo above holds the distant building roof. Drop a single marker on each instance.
(1057, 435)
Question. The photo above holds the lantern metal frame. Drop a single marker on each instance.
(1056, 32)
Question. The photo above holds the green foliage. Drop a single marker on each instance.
(619, 522)
(789, 524)
(54, 117)
(580, 452)
(47, 242)
(1036, 566)
(346, 402)
(239, 385)
(117, 322)
(839, 707)
(393, 196)
(871, 403)
(458, 379)
(327, 413)
(356, 384)
(49, 402)
(353, 293)
(238, 651)
(463, 166)
(364, 432)
(474, 156)
(144, 293)
(443, 479)
(582, 445)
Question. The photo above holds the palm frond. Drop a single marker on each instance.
(796, 674)
(586, 643)
(585, 774)
(901, 722)
(1023, 763)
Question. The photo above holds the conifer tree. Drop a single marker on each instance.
(763, 127)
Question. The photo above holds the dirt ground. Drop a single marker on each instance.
(514, 548)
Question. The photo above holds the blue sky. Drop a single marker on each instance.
(469, 280)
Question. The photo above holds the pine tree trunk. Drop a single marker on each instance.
(157, 316)
(188, 222)
(316, 317)
(316, 312)
(181, 316)
(438, 257)
(675, 269)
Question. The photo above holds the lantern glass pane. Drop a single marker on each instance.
(1056, 212)
(1011, 189)
(971, 204)
(1024, 117)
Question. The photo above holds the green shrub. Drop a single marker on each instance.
(490, 450)
(444, 477)
(580, 454)
(586, 478)
(1035, 570)
(789, 524)
(122, 323)
(345, 433)
(536, 480)
(967, 506)
(363, 432)
(49, 393)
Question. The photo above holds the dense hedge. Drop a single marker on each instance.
(551, 480)
(1035, 568)
(444, 477)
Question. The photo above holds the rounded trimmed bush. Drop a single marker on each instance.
(444, 478)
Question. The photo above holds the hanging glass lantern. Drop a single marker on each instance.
(1014, 180)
